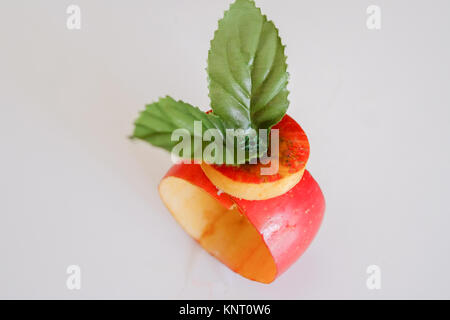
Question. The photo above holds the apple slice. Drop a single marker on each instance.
(246, 181)
(257, 239)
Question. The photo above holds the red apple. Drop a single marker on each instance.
(257, 239)
(246, 181)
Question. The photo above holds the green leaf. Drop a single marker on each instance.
(247, 69)
(157, 122)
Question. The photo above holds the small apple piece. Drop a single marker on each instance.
(257, 239)
(247, 182)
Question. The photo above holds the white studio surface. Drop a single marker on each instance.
(75, 191)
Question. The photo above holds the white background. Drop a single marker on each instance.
(75, 190)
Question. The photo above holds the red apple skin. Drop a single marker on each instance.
(287, 223)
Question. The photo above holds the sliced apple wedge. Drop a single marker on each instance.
(247, 181)
(257, 239)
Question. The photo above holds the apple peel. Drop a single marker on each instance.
(258, 239)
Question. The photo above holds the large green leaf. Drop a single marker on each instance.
(247, 69)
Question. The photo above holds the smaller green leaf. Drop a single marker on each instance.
(160, 119)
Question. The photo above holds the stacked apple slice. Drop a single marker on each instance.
(257, 225)
(254, 218)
